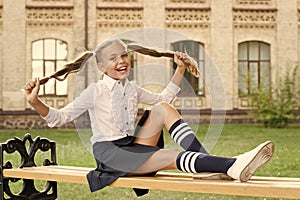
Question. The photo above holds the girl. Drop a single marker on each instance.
(118, 150)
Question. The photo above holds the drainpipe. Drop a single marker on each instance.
(86, 39)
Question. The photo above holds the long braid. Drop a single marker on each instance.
(77, 65)
(69, 68)
(192, 64)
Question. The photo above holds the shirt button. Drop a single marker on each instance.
(125, 108)
(124, 94)
(127, 123)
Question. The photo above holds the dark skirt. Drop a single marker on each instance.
(118, 158)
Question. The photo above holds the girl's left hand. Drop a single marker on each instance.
(178, 59)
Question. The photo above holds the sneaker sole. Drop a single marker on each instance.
(211, 176)
(263, 155)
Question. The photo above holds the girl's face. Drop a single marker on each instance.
(115, 61)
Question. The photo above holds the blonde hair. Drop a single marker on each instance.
(78, 63)
(98, 50)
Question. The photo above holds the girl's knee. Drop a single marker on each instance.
(165, 113)
(157, 108)
(163, 106)
(161, 109)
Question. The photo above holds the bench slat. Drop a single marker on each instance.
(44, 173)
(183, 182)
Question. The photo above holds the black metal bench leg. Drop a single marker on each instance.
(28, 190)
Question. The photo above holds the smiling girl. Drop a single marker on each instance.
(119, 150)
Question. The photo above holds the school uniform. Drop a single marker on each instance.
(113, 108)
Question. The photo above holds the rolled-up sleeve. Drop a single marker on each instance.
(151, 98)
(52, 118)
(172, 88)
(58, 117)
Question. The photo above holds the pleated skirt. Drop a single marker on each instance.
(119, 157)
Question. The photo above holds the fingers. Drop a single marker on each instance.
(35, 82)
(180, 55)
(179, 59)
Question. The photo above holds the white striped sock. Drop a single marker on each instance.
(178, 128)
(187, 161)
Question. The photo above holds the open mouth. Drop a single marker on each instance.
(121, 69)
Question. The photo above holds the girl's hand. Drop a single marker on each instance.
(178, 59)
(32, 89)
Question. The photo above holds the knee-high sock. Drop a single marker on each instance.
(183, 135)
(194, 162)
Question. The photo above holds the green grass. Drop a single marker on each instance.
(235, 139)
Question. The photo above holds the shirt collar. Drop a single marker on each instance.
(110, 82)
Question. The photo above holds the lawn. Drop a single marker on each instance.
(235, 139)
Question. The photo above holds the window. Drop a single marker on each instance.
(48, 56)
(253, 67)
(195, 50)
(133, 61)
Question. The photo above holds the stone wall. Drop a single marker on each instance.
(33, 121)
(219, 25)
(25, 122)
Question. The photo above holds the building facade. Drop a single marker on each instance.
(232, 41)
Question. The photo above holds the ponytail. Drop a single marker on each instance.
(192, 64)
(77, 65)
(69, 68)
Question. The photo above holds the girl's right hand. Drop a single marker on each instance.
(32, 89)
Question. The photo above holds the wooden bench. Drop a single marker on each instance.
(180, 182)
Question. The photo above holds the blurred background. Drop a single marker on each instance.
(250, 42)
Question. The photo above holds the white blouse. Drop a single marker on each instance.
(112, 107)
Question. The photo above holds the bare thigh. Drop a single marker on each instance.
(163, 159)
(162, 115)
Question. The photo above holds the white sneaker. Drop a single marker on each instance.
(211, 176)
(246, 164)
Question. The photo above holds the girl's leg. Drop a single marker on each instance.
(242, 167)
(165, 115)
(168, 159)
(163, 159)
(194, 162)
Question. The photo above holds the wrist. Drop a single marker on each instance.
(33, 101)
(180, 69)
